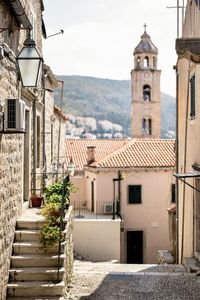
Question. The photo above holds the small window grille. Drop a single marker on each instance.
(192, 97)
(11, 113)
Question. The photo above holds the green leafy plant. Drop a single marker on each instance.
(50, 233)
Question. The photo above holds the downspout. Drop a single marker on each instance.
(184, 166)
(177, 165)
(34, 146)
(119, 191)
(44, 132)
(59, 129)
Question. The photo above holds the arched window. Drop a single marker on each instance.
(146, 61)
(138, 61)
(150, 126)
(154, 62)
(146, 126)
(146, 92)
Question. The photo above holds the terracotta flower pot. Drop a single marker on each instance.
(36, 201)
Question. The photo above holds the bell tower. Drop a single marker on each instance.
(145, 86)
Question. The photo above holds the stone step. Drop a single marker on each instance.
(191, 264)
(35, 288)
(27, 235)
(35, 274)
(36, 260)
(34, 248)
(197, 256)
(26, 224)
(36, 298)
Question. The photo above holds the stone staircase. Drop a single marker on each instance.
(192, 264)
(34, 271)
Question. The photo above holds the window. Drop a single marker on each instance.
(149, 126)
(134, 194)
(154, 62)
(138, 61)
(173, 193)
(192, 97)
(146, 62)
(197, 3)
(146, 92)
(146, 126)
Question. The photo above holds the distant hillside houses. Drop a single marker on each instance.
(90, 128)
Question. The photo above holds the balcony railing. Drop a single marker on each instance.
(100, 210)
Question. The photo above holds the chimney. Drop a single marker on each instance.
(91, 154)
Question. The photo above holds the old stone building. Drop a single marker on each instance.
(145, 82)
(25, 153)
(188, 138)
(133, 178)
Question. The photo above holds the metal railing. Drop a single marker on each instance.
(62, 216)
(101, 210)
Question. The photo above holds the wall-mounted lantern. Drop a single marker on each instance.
(71, 167)
(29, 64)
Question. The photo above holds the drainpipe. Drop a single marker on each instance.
(184, 166)
(59, 130)
(44, 132)
(34, 146)
(177, 167)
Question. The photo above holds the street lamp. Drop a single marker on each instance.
(29, 64)
(71, 167)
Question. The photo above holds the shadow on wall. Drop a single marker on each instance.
(155, 282)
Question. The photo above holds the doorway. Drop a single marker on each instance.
(135, 247)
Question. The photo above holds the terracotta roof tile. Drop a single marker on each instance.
(140, 153)
(77, 149)
(124, 153)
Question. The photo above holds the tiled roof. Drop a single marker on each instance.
(77, 149)
(148, 153)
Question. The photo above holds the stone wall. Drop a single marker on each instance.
(68, 247)
(10, 161)
(11, 145)
(10, 200)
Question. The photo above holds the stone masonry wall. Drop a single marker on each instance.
(10, 163)
(68, 247)
(10, 200)
(11, 145)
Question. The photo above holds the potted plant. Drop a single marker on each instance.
(36, 200)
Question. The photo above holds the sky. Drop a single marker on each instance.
(100, 36)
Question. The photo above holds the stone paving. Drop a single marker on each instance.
(111, 281)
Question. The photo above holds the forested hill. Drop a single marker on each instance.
(106, 99)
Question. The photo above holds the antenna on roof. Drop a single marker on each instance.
(60, 32)
(178, 6)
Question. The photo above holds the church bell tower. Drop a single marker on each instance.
(145, 85)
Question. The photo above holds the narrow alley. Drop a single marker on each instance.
(112, 281)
